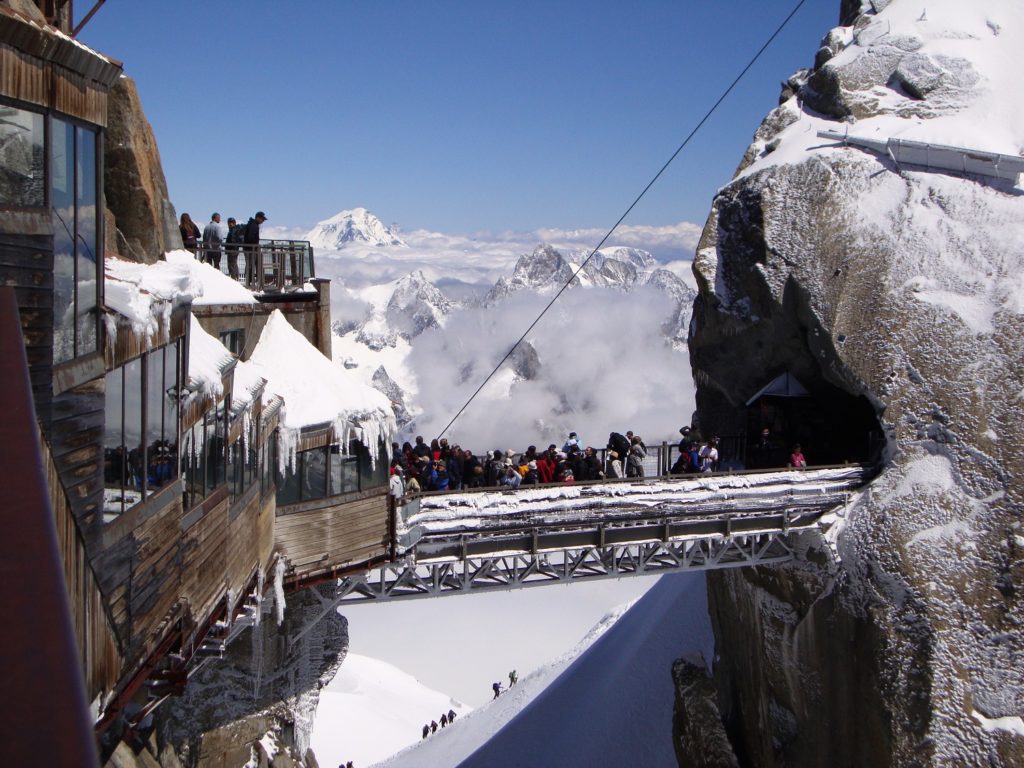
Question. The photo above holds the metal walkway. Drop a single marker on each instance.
(470, 542)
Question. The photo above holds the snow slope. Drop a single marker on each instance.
(371, 709)
(578, 710)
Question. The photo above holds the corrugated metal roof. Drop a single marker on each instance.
(50, 44)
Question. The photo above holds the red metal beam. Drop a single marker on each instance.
(46, 716)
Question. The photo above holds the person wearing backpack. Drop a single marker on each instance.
(251, 241)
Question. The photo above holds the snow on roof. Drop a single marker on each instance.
(246, 385)
(143, 292)
(316, 390)
(207, 361)
(214, 286)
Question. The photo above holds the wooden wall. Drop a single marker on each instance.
(99, 654)
(26, 264)
(318, 536)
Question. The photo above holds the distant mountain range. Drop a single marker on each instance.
(381, 323)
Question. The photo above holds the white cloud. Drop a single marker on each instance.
(604, 367)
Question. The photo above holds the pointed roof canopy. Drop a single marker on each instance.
(783, 385)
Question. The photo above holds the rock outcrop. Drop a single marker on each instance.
(898, 289)
(697, 731)
(134, 182)
(258, 702)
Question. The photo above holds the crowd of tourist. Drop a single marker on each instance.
(441, 466)
(218, 239)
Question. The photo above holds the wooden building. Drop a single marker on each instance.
(163, 481)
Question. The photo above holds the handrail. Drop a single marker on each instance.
(268, 266)
(869, 469)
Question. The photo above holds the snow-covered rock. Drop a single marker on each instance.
(901, 285)
(355, 226)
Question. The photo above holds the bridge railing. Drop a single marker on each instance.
(269, 266)
(654, 459)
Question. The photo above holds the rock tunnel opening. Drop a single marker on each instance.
(830, 425)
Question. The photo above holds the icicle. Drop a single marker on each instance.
(279, 590)
(260, 583)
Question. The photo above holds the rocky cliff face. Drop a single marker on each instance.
(899, 289)
(258, 702)
(134, 182)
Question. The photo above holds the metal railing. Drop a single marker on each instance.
(270, 266)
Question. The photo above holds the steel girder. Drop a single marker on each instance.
(411, 579)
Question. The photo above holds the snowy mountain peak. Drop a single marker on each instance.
(355, 226)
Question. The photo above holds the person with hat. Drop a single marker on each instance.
(251, 241)
(572, 444)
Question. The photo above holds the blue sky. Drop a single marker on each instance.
(452, 116)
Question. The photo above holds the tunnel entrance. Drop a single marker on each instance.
(830, 425)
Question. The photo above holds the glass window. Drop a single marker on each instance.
(124, 453)
(62, 169)
(22, 158)
(73, 192)
(314, 474)
(194, 466)
(86, 247)
(234, 341)
(161, 417)
(344, 472)
(288, 484)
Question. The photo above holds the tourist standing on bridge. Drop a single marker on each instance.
(510, 476)
(189, 233)
(573, 443)
(546, 466)
(440, 477)
(590, 465)
(532, 477)
(421, 448)
(635, 458)
(214, 234)
(709, 456)
(612, 465)
(619, 443)
(396, 483)
(455, 464)
(796, 459)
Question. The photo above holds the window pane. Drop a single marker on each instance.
(215, 448)
(344, 472)
(63, 200)
(116, 473)
(194, 465)
(162, 464)
(86, 244)
(22, 175)
(134, 437)
(289, 485)
(314, 474)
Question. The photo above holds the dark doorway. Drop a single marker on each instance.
(831, 425)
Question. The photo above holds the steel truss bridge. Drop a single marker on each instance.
(460, 543)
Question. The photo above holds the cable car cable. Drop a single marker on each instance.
(622, 218)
